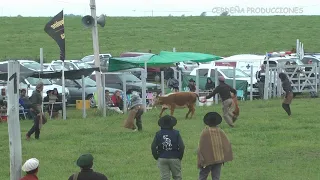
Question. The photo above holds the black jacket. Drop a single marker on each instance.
(224, 91)
(167, 143)
(89, 174)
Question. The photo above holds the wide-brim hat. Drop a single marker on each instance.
(167, 122)
(85, 160)
(212, 119)
(191, 80)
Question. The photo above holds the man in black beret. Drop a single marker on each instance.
(85, 162)
(168, 148)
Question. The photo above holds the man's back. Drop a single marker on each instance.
(89, 174)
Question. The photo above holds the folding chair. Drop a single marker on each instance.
(22, 111)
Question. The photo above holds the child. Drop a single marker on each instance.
(214, 148)
(135, 112)
(168, 148)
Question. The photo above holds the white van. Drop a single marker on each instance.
(206, 70)
(242, 62)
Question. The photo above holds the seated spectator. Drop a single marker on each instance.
(85, 162)
(24, 99)
(31, 167)
(192, 85)
(109, 103)
(51, 98)
(117, 100)
(168, 148)
(214, 148)
(173, 84)
(209, 85)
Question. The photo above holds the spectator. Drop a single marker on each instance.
(173, 84)
(261, 76)
(192, 86)
(31, 167)
(109, 103)
(24, 99)
(85, 162)
(117, 100)
(168, 148)
(209, 85)
(135, 112)
(214, 148)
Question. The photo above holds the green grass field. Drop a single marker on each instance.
(266, 144)
(21, 37)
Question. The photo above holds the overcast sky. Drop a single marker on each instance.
(159, 7)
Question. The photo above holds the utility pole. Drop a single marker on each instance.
(95, 39)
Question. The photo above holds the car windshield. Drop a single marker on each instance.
(229, 73)
(82, 65)
(130, 78)
(31, 65)
(282, 62)
(58, 67)
(87, 82)
(87, 58)
(33, 81)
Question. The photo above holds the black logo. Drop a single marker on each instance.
(248, 66)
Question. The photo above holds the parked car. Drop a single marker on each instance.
(114, 80)
(48, 85)
(187, 66)
(227, 73)
(72, 64)
(75, 88)
(104, 60)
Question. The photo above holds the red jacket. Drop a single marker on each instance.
(116, 101)
(30, 177)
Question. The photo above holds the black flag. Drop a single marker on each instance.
(55, 29)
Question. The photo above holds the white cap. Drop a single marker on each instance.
(30, 164)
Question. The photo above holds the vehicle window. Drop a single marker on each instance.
(70, 83)
(130, 77)
(203, 72)
(213, 73)
(88, 82)
(87, 59)
(112, 78)
(33, 81)
(32, 65)
(82, 65)
(69, 66)
(239, 73)
(305, 60)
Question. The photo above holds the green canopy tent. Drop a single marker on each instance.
(165, 58)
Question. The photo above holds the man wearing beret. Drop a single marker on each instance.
(135, 112)
(31, 167)
(168, 148)
(224, 91)
(36, 112)
(85, 162)
(214, 148)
